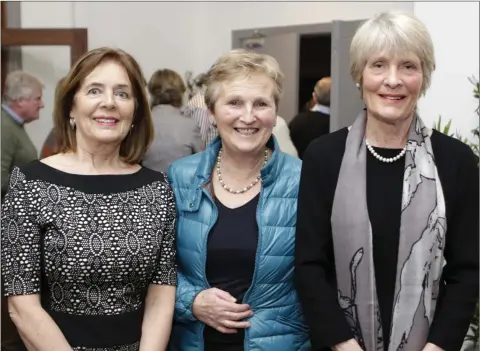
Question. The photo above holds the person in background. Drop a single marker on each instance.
(94, 231)
(282, 134)
(198, 111)
(387, 249)
(236, 205)
(307, 126)
(176, 135)
(308, 105)
(50, 146)
(22, 102)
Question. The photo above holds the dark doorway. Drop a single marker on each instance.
(315, 60)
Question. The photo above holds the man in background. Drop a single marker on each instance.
(309, 125)
(22, 102)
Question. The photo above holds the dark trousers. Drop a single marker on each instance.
(209, 346)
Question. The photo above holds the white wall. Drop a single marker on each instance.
(226, 16)
(454, 30)
(160, 37)
(177, 35)
(49, 63)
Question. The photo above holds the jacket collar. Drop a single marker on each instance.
(209, 158)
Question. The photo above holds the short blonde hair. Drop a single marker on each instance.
(20, 85)
(396, 33)
(241, 63)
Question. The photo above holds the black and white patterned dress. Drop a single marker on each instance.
(90, 245)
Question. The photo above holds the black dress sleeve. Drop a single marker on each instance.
(166, 272)
(314, 263)
(21, 238)
(459, 294)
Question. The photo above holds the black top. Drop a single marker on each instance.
(231, 250)
(90, 246)
(384, 202)
(315, 267)
(306, 127)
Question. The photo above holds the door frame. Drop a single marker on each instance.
(299, 30)
(336, 30)
(316, 28)
(75, 38)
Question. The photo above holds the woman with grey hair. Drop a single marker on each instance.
(387, 230)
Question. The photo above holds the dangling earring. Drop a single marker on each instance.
(72, 123)
(357, 85)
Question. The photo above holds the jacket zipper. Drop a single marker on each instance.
(204, 250)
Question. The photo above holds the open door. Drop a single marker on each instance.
(283, 43)
(285, 48)
(345, 101)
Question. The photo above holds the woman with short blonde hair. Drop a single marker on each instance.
(236, 205)
(388, 210)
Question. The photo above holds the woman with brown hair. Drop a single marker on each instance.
(88, 250)
(176, 135)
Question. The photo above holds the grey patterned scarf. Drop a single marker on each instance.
(420, 254)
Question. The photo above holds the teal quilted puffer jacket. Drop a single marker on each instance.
(277, 323)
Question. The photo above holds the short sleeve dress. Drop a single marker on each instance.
(90, 245)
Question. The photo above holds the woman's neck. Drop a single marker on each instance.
(99, 159)
(239, 166)
(388, 135)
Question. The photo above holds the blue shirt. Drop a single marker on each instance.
(13, 114)
(321, 108)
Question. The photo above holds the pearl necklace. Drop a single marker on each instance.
(248, 187)
(384, 159)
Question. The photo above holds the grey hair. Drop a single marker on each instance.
(20, 85)
(392, 33)
(322, 91)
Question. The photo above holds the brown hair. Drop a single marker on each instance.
(137, 141)
(50, 146)
(166, 87)
(58, 86)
